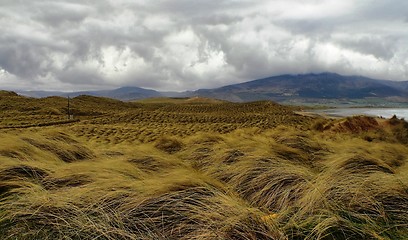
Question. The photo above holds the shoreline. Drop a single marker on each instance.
(401, 113)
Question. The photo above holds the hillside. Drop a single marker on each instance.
(188, 100)
(309, 87)
(123, 93)
(197, 169)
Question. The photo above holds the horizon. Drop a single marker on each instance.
(191, 90)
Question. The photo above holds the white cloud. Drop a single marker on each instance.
(311, 10)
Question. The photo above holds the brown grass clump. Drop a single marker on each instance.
(363, 165)
(399, 129)
(169, 145)
(199, 212)
(15, 177)
(65, 148)
(8, 94)
(356, 124)
(271, 184)
(75, 180)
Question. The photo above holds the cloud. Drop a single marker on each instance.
(58, 14)
(187, 44)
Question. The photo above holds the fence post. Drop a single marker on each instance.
(69, 110)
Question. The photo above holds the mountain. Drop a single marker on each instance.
(41, 94)
(298, 89)
(307, 87)
(123, 93)
(128, 93)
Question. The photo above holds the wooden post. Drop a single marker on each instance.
(69, 110)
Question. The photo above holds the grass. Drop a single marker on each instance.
(198, 170)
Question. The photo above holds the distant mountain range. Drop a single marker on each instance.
(123, 93)
(284, 88)
(310, 87)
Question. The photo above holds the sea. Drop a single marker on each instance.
(375, 112)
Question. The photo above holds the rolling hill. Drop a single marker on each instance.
(123, 93)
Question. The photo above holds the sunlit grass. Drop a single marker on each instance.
(201, 170)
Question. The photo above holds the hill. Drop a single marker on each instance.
(309, 87)
(7, 93)
(187, 100)
(123, 93)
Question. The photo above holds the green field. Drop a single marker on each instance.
(197, 169)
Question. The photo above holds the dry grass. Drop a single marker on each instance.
(200, 170)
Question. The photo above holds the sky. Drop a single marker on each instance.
(177, 45)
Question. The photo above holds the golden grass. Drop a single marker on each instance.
(200, 171)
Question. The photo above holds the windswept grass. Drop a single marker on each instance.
(202, 170)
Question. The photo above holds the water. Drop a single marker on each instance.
(375, 112)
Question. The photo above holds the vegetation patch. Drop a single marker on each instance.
(169, 145)
(197, 169)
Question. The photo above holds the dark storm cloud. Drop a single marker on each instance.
(187, 44)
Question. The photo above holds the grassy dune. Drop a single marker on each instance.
(197, 170)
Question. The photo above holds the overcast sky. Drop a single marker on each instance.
(190, 44)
